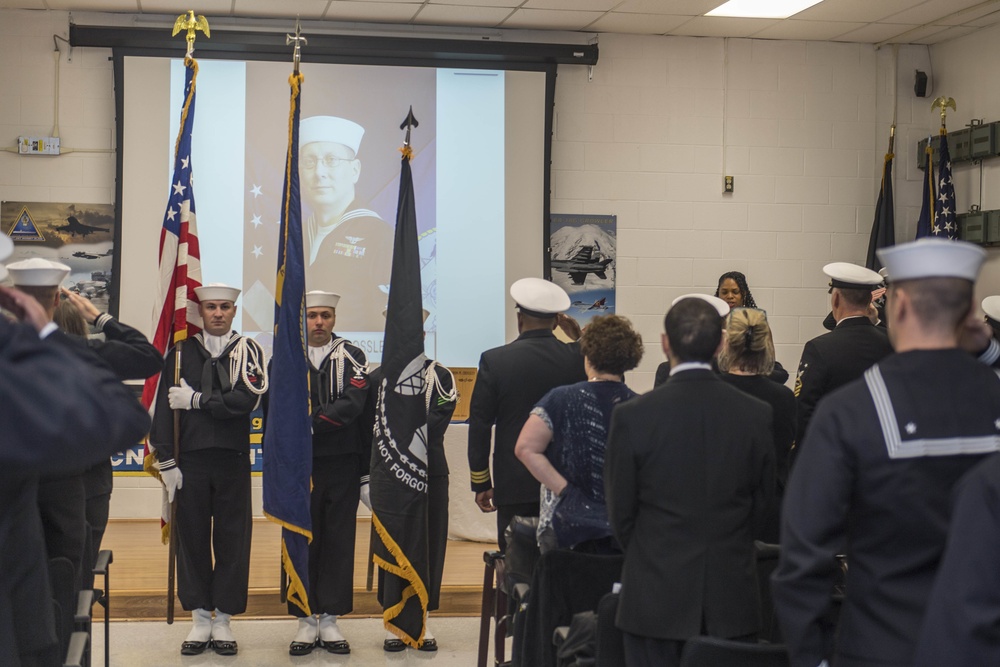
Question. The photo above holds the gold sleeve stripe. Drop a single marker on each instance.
(480, 476)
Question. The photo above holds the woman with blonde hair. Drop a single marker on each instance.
(746, 361)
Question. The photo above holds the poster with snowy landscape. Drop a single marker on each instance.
(582, 251)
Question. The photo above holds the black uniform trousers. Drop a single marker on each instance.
(334, 506)
(98, 483)
(505, 513)
(64, 522)
(214, 517)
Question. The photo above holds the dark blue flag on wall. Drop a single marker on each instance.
(928, 195)
(399, 448)
(884, 226)
(945, 224)
(288, 426)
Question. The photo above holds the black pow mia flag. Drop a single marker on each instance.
(399, 448)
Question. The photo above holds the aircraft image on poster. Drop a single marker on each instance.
(588, 259)
(74, 227)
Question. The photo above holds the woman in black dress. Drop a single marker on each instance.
(745, 362)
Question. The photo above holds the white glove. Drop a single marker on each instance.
(183, 397)
(172, 479)
(366, 496)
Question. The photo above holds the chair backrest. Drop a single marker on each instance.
(767, 562)
(714, 652)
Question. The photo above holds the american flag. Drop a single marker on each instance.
(176, 306)
(945, 223)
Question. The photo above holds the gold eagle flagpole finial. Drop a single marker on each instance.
(299, 40)
(191, 24)
(944, 103)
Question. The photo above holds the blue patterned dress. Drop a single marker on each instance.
(579, 416)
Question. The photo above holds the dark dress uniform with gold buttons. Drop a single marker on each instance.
(511, 380)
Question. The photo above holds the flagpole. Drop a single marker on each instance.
(191, 24)
(172, 548)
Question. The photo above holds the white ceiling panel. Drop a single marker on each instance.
(864, 11)
(722, 26)
(944, 35)
(483, 17)
(378, 12)
(580, 5)
(478, 3)
(90, 5)
(679, 7)
(972, 14)
(989, 19)
(22, 4)
(874, 33)
(206, 7)
(551, 19)
(638, 24)
(306, 9)
(930, 11)
(807, 30)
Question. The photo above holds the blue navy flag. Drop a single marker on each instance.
(945, 221)
(399, 447)
(884, 226)
(288, 427)
(928, 195)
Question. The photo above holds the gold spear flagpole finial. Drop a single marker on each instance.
(191, 24)
(298, 40)
(408, 124)
(944, 103)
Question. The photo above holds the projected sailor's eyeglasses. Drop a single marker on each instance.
(328, 161)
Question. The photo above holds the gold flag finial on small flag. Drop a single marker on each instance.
(191, 24)
(408, 124)
(298, 40)
(944, 103)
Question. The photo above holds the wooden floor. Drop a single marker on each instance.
(139, 573)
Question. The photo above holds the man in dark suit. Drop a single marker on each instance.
(875, 480)
(511, 380)
(842, 355)
(686, 492)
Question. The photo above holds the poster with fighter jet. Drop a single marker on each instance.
(582, 257)
(80, 236)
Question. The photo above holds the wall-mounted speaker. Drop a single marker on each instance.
(920, 84)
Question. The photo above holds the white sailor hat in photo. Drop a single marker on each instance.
(319, 299)
(932, 258)
(426, 313)
(851, 276)
(6, 249)
(37, 272)
(331, 128)
(539, 298)
(720, 306)
(991, 306)
(217, 292)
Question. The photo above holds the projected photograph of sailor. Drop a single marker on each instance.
(346, 244)
(349, 164)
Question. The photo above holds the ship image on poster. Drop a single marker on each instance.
(582, 253)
